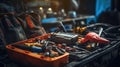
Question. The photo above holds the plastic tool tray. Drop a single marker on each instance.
(33, 53)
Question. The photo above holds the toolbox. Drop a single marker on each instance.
(77, 54)
(32, 59)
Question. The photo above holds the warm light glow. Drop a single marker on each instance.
(50, 9)
(41, 8)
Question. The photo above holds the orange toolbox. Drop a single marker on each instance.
(32, 59)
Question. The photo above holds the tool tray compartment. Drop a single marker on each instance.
(100, 56)
(32, 59)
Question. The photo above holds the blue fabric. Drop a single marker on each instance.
(102, 5)
(49, 20)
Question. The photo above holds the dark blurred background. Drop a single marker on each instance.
(104, 11)
(82, 7)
